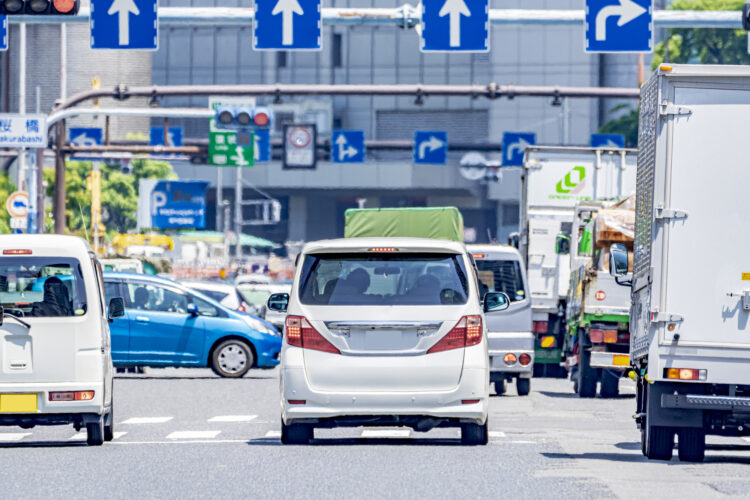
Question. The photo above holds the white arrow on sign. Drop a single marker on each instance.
(84, 140)
(518, 147)
(123, 9)
(627, 10)
(345, 151)
(611, 144)
(455, 9)
(239, 157)
(431, 145)
(287, 9)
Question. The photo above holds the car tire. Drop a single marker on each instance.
(109, 425)
(691, 444)
(659, 442)
(297, 433)
(232, 359)
(587, 376)
(523, 386)
(95, 432)
(501, 386)
(610, 384)
(474, 434)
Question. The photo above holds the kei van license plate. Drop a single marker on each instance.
(18, 403)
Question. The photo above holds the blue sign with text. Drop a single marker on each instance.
(348, 146)
(174, 137)
(124, 24)
(430, 147)
(607, 141)
(3, 32)
(619, 25)
(179, 205)
(455, 26)
(514, 147)
(262, 145)
(287, 25)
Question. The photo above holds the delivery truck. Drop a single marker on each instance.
(690, 302)
(598, 309)
(555, 179)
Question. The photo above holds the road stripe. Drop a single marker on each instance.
(7, 437)
(747, 439)
(273, 434)
(191, 441)
(118, 435)
(386, 433)
(79, 436)
(147, 420)
(497, 434)
(193, 435)
(233, 418)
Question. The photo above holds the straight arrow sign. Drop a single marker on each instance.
(287, 9)
(123, 9)
(455, 9)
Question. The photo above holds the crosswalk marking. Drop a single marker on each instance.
(497, 434)
(193, 435)
(7, 437)
(386, 433)
(147, 420)
(273, 434)
(118, 435)
(233, 418)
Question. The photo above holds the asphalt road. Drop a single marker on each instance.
(189, 434)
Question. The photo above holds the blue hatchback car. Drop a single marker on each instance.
(168, 324)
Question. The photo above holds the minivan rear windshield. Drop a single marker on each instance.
(383, 280)
(42, 286)
(501, 276)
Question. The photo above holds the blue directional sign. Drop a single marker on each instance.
(607, 141)
(124, 24)
(514, 147)
(455, 26)
(86, 136)
(262, 148)
(430, 147)
(348, 146)
(3, 32)
(174, 137)
(619, 25)
(287, 25)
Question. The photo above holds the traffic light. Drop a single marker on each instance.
(242, 118)
(40, 7)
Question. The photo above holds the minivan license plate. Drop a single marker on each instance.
(383, 340)
(18, 403)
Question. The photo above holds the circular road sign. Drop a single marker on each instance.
(299, 137)
(18, 204)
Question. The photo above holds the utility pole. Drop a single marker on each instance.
(21, 98)
(238, 212)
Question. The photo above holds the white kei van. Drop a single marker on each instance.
(54, 336)
(385, 332)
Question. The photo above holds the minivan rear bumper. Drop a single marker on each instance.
(455, 405)
(47, 407)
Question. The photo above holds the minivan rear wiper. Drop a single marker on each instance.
(4, 314)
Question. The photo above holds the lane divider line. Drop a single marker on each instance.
(193, 434)
(8, 437)
(146, 420)
(233, 418)
(386, 433)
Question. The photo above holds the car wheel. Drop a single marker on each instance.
(109, 425)
(474, 434)
(232, 359)
(95, 432)
(691, 444)
(523, 386)
(297, 433)
(610, 384)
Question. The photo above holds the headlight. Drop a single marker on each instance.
(258, 325)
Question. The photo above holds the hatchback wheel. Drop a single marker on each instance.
(232, 359)
(95, 432)
(296, 433)
(474, 434)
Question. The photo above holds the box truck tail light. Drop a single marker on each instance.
(510, 359)
(71, 396)
(541, 327)
(524, 359)
(299, 333)
(467, 332)
(610, 336)
(685, 374)
(596, 335)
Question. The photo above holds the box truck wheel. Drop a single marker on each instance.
(659, 442)
(501, 386)
(610, 384)
(691, 444)
(587, 376)
(523, 386)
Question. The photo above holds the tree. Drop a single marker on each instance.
(626, 125)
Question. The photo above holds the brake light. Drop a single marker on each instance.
(524, 359)
(296, 401)
(71, 396)
(478, 255)
(610, 336)
(596, 335)
(685, 374)
(541, 327)
(300, 333)
(384, 250)
(466, 333)
(469, 401)
(510, 359)
(242, 308)
(17, 252)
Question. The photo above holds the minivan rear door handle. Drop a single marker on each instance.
(142, 319)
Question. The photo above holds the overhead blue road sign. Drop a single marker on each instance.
(262, 145)
(348, 146)
(3, 32)
(124, 24)
(455, 26)
(619, 25)
(430, 147)
(174, 137)
(86, 136)
(514, 147)
(287, 25)
(607, 141)
(166, 204)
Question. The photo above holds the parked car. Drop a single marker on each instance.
(167, 324)
(257, 295)
(223, 293)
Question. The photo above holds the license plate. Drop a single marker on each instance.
(383, 340)
(18, 403)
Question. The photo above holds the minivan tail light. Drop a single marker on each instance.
(467, 332)
(300, 333)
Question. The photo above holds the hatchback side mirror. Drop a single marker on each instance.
(618, 260)
(495, 301)
(278, 302)
(116, 308)
(192, 310)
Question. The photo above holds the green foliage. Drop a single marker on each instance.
(626, 125)
(6, 189)
(704, 46)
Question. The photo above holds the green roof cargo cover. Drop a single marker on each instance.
(443, 223)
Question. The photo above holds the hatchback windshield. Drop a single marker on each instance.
(386, 280)
(501, 276)
(42, 286)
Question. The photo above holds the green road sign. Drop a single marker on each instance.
(223, 151)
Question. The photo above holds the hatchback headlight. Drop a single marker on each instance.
(258, 325)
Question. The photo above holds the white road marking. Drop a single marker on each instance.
(747, 439)
(193, 435)
(497, 434)
(118, 435)
(273, 434)
(7, 437)
(233, 418)
(79, 436)
(386, 433)
(147, 420)
(192, 441)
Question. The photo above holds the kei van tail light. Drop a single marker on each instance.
(466, 333)
(300, 333)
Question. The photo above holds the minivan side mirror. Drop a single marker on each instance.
(192, 310)
(562, 244)
(278, 302)
(618, 260)
(116, 308)
(496, 301)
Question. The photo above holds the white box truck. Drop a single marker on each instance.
(555, 179)
(690, 311)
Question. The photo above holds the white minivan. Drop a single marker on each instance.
(385, 332)
(54, 336)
